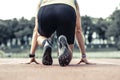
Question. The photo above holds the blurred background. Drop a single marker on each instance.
(100, 23)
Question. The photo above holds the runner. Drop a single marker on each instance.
(61, 16)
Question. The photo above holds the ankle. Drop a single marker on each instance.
(43, 43)
(46, 42)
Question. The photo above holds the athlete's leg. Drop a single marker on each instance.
(65, 33)
(64, 51)
(46, 27)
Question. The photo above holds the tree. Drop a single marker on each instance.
(23, 29)
(12, 26)
(87, 26)
(5, 32)
(114, 28)
(101, 28)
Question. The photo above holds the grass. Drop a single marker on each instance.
(106, 54)
(76, 54)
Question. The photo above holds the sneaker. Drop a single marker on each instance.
(47, 58)
(64, 52)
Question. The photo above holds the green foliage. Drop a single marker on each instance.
(88, 27)
(105, 28)
(10, 29)
(101, 28)
(114, 28)
(5, 32)
(87, 24)
(1, 53)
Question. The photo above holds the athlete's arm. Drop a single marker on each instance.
(34, 42)
(79, 32)
(80, 37)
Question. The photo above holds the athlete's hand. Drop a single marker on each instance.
(84, 60)
(32, 60)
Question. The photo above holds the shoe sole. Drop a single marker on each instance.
(65, 57)
(47, 58)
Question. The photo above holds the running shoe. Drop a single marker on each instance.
(47, 56)
(64, 52)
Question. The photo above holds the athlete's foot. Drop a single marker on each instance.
(47, 58)
(65, 54)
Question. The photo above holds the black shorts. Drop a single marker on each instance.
(57, 17)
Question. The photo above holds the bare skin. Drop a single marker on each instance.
(79, 36)
(33, 60)
(37, 39)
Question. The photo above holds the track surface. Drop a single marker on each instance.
(16, 69)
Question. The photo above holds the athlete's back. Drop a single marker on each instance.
(68, 2)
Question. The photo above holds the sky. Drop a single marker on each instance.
(10, 9)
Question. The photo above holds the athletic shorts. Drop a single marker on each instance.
(57, 17)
